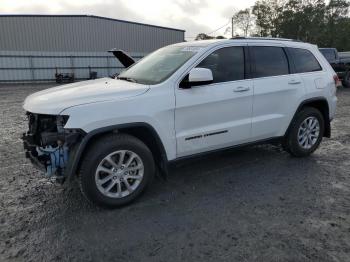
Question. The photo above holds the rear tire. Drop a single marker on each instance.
(116, 170)
(305, 133)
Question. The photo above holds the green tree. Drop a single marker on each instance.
(302, 20)
(244, 20)
(337, 23)
(203, 36)
(327, 25)
(267, 16)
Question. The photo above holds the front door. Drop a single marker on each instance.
(216, 115)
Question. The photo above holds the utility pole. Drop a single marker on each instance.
(232, 27)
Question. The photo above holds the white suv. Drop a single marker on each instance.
(182, 100)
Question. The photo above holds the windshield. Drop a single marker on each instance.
(329, 54)
(159, 65)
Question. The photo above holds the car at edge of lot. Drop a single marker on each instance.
(340, 64)
(181, 101)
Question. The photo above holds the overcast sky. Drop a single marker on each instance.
(194, 16)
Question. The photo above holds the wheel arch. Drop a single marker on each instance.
(321, 104)
(143, 131)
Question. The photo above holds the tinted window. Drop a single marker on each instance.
(227, 64)
(304, 61)
(270, 61)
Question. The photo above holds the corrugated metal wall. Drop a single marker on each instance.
(32, 47)
(81, 34)
(31, 66)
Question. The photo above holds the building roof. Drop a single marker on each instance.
(92, 16)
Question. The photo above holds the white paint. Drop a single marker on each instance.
(200, 75)
(262, 109)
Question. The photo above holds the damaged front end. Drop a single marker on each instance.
(48, 145)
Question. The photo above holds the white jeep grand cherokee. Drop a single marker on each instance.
(182, 100)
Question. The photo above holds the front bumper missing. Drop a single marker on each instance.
(52, 161)
(31, 153)
(48, 145)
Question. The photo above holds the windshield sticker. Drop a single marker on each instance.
(191, 49)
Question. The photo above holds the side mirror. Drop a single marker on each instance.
(196, 77)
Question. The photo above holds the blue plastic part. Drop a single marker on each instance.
(58, 159)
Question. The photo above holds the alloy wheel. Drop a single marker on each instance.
(119, 174)
(309, 132)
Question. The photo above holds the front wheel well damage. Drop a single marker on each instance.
(143, 132)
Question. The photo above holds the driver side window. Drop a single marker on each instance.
(227, 64)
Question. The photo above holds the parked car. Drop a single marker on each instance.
(341, 65)
(181, 101)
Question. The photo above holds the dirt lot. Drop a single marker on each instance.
(251, 204)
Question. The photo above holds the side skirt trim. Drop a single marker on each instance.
(198, 155)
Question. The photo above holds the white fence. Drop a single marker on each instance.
(21, 67)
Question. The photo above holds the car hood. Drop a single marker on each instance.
(55, 100)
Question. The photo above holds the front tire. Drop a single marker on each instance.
(116, 170)
(305, 133)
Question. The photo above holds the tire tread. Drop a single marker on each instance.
(290, 144)
(102, 143)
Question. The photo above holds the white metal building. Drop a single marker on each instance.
(34, 47)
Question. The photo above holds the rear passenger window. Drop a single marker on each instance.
(227, 64)
(304, 60)
(270, 61)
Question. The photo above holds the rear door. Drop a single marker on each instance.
(216, 115)
(276, 91)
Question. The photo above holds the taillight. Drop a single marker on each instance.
(337, 81)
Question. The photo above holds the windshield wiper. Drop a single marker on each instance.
(127, 79)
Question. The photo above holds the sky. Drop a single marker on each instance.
(194, 16)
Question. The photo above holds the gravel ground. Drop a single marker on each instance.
(252, 204)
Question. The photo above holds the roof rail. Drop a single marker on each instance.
(264, 38)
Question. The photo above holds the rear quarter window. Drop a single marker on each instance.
(304, 60)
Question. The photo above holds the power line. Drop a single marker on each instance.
(219, 28)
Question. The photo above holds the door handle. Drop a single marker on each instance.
(294, 82)
(241, 89)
